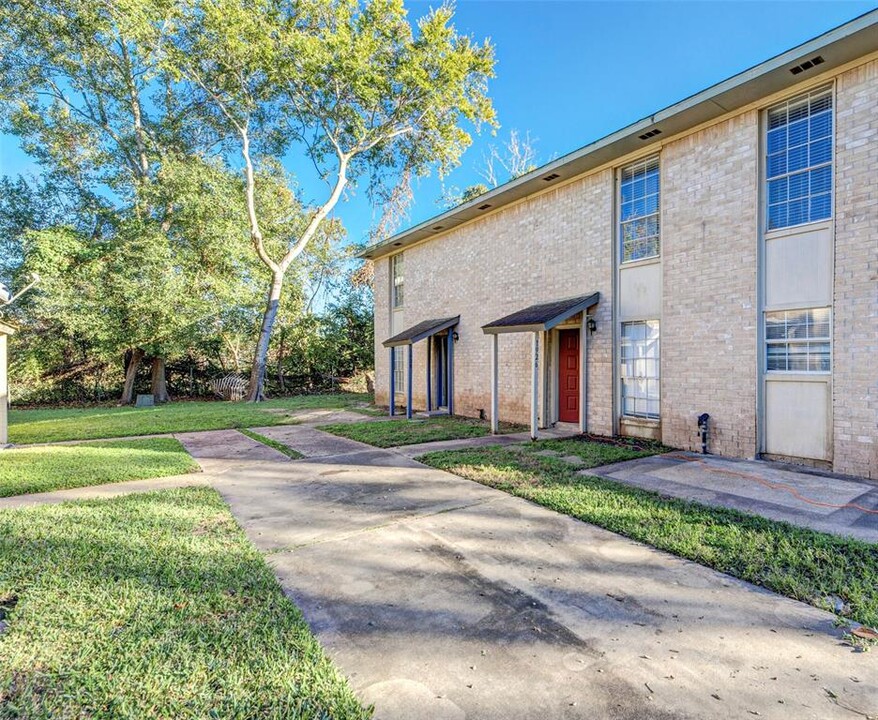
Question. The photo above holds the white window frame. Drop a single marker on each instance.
(642, 164)
(397, 281)
(399, 369)
(640, 377)
(809, 95)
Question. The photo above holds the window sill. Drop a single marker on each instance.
(640, 421)
(798, 229)
(642, 261)
(798, 375)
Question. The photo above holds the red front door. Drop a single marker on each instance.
(568, 379)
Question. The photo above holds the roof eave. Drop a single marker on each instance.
(586, 303)
(449, 323)
(838, 46)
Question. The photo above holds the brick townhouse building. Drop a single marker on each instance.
(719, 257)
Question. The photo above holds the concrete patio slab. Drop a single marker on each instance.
(821, 501)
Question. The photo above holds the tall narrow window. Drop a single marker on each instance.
(639, 210)
(798, 161)
(640, 369)
(398, 286)
(399, 368)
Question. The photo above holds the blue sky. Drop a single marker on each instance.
(571, 72)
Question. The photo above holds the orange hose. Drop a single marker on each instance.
(775, 486)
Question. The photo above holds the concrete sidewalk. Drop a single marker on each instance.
(441, 598)
(830, 503)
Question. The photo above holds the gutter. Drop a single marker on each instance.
(835, 48)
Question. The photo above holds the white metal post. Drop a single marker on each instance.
(583, 373)
(408, 384)
(495, 383)
(535, 385)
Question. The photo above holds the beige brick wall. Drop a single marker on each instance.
(709, 312)
(545, 248)
(855, 331)
(381, 293)
(560, 244)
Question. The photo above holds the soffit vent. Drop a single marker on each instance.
(553, 176)
(651, 133)
(438, 227)
(485, 206)
(396, 244)
(807, 65)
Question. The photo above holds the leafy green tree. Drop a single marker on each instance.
(352, 86)
(81, 86)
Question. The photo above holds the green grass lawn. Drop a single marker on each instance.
(53, 425)
(392, 433)
(152, 606)
(40, 469)
(796, 562)
(274, 444)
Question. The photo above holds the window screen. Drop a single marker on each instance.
(797, 340)
(639, 210)
(398, 282)
(640, 369)
(799, 160)
(399, 368)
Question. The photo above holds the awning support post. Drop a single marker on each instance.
(429, 374)
(535, 384)
(392, 381)
(408, 384)
(495, 383)
(583, 373)
(450, 385)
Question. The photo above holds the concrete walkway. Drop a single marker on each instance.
(830, 503)
(440, 598)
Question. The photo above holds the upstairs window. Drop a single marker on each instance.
(397, 282)
(639, 210)
(799, 160)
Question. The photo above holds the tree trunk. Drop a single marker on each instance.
(130, 375)
(280, 363)
(159, 380)
(260, 357)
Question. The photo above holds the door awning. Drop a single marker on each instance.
(421, 331)
(544, 316)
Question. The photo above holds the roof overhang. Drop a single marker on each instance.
(541, 317)
(846, 43)
(7, 329)
(421, 331)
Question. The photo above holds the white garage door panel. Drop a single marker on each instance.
(796, 419)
